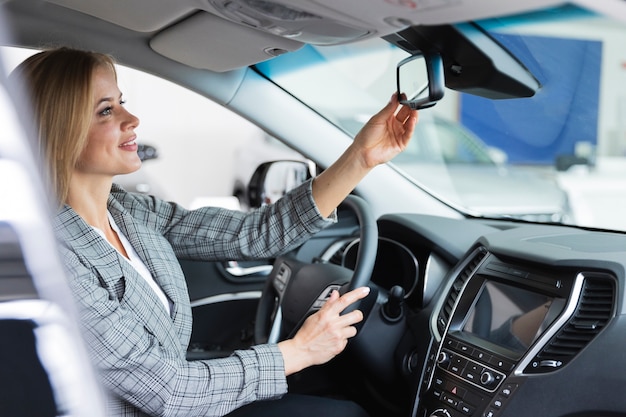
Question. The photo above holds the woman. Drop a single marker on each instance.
(121, 250)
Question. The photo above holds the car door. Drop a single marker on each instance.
(224, 298)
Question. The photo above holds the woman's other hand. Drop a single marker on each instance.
(324, 334)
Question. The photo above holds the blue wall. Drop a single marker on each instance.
(520, 126)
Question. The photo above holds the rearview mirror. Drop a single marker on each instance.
(420, 78)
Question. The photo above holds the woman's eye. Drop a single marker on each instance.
(109, 110)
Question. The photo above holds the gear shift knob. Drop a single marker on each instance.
(392, 310)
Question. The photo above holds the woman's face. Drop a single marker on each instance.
(111, 143)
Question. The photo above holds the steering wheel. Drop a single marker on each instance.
(295, 289)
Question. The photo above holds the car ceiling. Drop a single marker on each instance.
(223, 35)
(206, 45)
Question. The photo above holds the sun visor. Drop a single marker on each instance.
(213, 43)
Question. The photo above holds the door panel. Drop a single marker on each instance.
(224, 298)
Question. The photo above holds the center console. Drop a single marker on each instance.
(496, 327)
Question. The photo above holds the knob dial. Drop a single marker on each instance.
(443, 358)
(487, 378)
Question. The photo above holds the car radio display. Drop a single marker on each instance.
(508, 316)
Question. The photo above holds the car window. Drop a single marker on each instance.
(440, 141)
(552, 157)
(197, 142)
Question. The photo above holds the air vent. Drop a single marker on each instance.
(593, 312)
(446, 310)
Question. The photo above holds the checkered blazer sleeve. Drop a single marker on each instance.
(219, 234)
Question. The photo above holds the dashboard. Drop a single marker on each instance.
(503, 318)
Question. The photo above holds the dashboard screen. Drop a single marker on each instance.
(508, 316)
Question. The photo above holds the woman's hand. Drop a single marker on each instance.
(324, 334)
(384, 136)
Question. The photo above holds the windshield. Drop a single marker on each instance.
(555, 157)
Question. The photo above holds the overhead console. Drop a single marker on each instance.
(504, 323)
(268, 28)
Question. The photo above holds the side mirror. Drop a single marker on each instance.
(272, 180)
(146, 152)
(421, 79)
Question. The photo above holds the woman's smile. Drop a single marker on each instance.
(130, 145)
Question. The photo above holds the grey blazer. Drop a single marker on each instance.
(138, 349)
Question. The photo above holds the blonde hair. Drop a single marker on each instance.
(59, 82)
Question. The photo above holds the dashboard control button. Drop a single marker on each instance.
(465, 349)
(501, 364)
(450, 400)
(497, 403)
(507, 390)
(457, 363)
(473, 372)
(481, 356)
(466, 409)
(490, 413)
(455, 390)
(450, 344)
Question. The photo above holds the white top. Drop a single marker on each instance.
(137, 263)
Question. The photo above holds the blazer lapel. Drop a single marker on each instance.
(76, 234)
(156, 252)
(118, 275)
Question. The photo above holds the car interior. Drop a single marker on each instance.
(468, 314)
